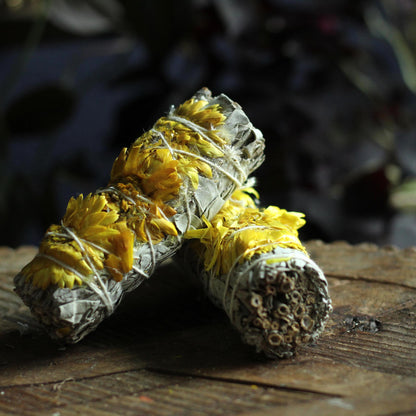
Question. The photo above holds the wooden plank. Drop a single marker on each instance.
(150, 392)
(366, 261)
(167, 350)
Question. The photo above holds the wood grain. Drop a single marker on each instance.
(168, 351)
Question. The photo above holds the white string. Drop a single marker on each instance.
(160, 210)
(250, 183)
(236, 261)
(228, 277)
(263, 258)
(208, 162)
(200, 130)
(187, 207)
(137, 269)
(140, 271)
(104, 294)
(91, 284)
(249, 227)
(62, 264)
(112, 188)
(158, 133)
(117, 191)
(152, 250)
(53, 233)
(195, 127)
(238, 202)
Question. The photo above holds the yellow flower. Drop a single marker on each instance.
(150, 157)
(154, 224)
(180, 136)
(211, 238)
(154, 168)
(90, 221)
(281, 217)
(95, 224)
(125, 163)
(160, 179)
(241, 197)
(192, 167)
(240, 230)
(199, 112)
(101, 240)
(120, 260)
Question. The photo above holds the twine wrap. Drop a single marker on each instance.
(272, 292)
(108, 243)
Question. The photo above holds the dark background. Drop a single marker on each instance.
(330, 83)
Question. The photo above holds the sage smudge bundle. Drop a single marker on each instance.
(253, 265)
(108, 242)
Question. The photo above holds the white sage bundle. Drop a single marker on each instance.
(252, 265)
(108, 242)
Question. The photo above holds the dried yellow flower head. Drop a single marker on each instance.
(241, 230)
(90, 237)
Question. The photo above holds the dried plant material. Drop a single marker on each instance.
(181, 170)
(253, 265)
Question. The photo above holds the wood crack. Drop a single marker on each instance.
(173, 373)
(367, 279)
(70, 379)
(242, 382)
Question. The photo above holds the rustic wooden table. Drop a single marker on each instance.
(167, 351)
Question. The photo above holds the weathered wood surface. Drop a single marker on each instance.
(167, 351)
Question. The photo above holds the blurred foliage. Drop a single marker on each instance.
(331, 85)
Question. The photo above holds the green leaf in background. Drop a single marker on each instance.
(403, 197)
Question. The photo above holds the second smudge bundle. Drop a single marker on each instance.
(253, 266)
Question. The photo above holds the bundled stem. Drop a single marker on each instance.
(108, 242)
(253, 265)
